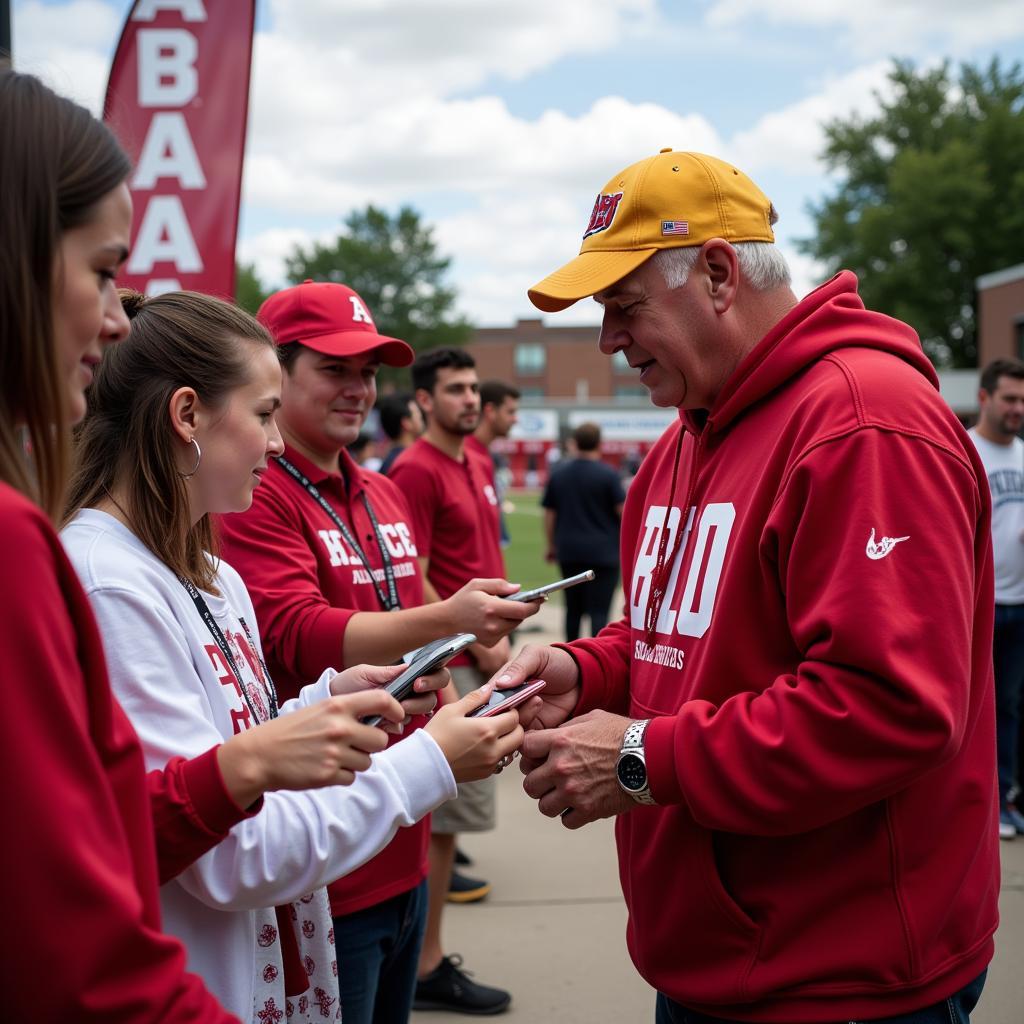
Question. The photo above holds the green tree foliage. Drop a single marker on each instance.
(393, 263)
(249, 290)
(931, 197)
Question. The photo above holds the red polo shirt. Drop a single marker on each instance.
(306, 584)
(454, 515)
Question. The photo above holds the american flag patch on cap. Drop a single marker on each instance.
(675, 227)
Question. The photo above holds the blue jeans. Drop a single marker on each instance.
(1008, 665)
(378, 952)
(954, 1010)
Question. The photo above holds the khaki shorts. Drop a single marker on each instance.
(473, 810)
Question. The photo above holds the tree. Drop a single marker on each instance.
(931, 197)
(249, 290)
(393, 263)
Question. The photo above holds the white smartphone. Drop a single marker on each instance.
(550, 588)
(504, 700)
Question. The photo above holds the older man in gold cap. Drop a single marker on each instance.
(793, 720)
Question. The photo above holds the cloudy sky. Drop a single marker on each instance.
(500, 121)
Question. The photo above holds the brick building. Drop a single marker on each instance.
(1001, 314)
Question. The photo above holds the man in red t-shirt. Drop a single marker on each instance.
(449, 484)
(499, 408)
(329, 556)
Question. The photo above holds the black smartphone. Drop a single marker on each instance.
(505, 700)
(427, 659)
(550, 588)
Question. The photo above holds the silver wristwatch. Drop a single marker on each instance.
(631, 767)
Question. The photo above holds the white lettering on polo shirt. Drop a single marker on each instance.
(335, 546)
(396, 537)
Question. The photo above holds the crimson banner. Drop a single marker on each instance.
(178, 99)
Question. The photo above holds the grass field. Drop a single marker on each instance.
(524, 556)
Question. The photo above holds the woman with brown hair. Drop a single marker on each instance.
(79, 868)
(181, 426)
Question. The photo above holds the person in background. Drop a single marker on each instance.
(1001, 416)
(402, 422)
(499, 408)
(793, 722)
(582, 511)
(329, 554)
(449, 485)
(361, 450)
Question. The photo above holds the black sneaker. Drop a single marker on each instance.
(449, 988)
(463, 889)
(462, 859)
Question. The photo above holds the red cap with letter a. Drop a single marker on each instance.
(331, 319)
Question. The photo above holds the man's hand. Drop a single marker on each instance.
(570, 771)
(557, 669)
(481, 607)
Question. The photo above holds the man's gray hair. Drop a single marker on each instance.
(761, 263)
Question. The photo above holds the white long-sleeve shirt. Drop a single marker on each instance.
(174, 682)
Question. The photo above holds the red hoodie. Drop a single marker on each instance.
(822, 746)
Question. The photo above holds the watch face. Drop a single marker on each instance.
(632, 773)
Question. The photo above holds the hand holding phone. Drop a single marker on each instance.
(505, 700)
(550, 588)
(427, 659)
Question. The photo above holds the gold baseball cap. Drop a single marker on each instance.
(667, 201)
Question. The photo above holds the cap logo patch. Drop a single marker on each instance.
(360, 314)
(675, 227)
(603, 213)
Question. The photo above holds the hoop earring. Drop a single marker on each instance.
(199, 458)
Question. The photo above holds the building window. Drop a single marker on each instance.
(619, 363)
(626, 391)
(530, 392)
(530, 359)
(1018, 330)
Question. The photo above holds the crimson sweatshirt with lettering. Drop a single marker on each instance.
(820, 682)
(82, 939)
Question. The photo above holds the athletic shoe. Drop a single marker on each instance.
(1015, 817)
(463, 889)
(1007, 829)
(462, 859)
(449, 988)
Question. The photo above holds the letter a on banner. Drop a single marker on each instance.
(178, 100)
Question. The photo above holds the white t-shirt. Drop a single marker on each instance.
(1004, 466)
(180, 694)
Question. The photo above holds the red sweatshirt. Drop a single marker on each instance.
(820, 682)
(82, 938)
(454, 515)
(306, 583)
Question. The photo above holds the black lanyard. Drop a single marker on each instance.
(389, 600)
(215, 631)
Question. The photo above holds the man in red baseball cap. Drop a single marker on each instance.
(329, 557)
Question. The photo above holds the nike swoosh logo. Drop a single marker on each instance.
(876, 550)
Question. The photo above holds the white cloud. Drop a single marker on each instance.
(69, 47)
(885, 27)
(792, 139)
(450, 45)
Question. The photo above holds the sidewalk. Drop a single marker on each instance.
(553, 929)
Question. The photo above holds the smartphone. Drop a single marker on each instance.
(504, 700)
(550, 588)
(427, 659)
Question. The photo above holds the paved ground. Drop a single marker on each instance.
(553, 929)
